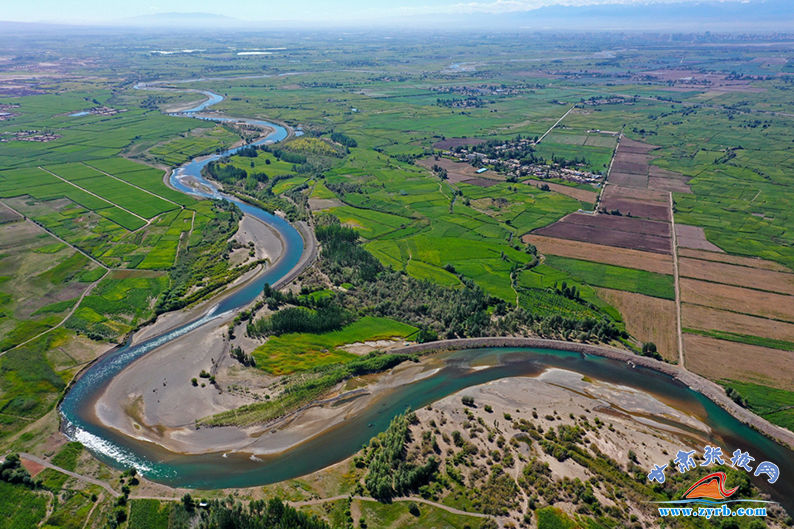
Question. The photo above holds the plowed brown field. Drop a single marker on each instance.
(647, 319)
(719, 360)
(652, 262)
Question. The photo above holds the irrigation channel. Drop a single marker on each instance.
(459, 369)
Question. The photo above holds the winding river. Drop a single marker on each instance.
(455, 373)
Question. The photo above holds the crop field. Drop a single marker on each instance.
(616, 277)
(289, 353)
(743, 276)
(113, 190)
(705, 355)
(649, 319)
(775, 405)
(149, 514)
(189, 145)
(21, 507)
(608, 230)
(733, 259)
(694, 237)
(40, 280)
(651, 262)
(707, 319)
(582, 195)
(738, 299)
(615, 198)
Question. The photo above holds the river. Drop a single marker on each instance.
(237, 470)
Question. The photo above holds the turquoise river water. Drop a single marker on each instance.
(220, 470)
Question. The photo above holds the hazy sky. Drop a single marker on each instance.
(89, 11)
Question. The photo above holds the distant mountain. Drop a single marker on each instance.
(703, 15)
(183, 20)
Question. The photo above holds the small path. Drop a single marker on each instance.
(93, 507)
(72, 246)
(400, 499)
(50, 507)
(133, 185)
(71, 474)
(609, 171)
(677, 285)
(69, 315)
(93, 194)
(557, 123)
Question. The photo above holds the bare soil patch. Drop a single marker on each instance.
(611, 230)
(717, 359)
(737, 275)
(451, 143)
(663, 179)
(614, 199)
(7, 214)
(738, 299)
(635, 193)
(32, 467)
(751, 262)
(647, 319)
(574, 192)
(707, 319)
(456, 171)
(628, 179)
(694, 237)
(629, 146)
(652, 262)
(481, 182)
(317, 204)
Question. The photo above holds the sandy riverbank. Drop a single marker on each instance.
(154, 400)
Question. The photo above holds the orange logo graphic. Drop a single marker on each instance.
(711, 487)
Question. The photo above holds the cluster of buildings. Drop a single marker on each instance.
(516, 158)
(31, 135)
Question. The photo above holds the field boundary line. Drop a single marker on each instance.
(674, 241)
(94, 195)
(44, 228)
(133, 185)
(555, 124)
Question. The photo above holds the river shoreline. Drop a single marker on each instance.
(316, 418)
(310, 422)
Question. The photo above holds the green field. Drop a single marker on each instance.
(149, 514)
(20, 506)
(775, 405)
(288, 353)
(616, 277)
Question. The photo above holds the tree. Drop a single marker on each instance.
(188, 503)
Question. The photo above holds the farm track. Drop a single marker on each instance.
(65, 318)
(94, 195)
(555, 124)
(75, 475)
(677, 286)
(70, 245)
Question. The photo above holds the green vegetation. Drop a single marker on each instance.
(762, 341)
(306, 351)
(616, 277)
(397, 515)
(257, 514)
(20, 506)
(775, 405)
(149, 514)
(305, 389)
(389, 474)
